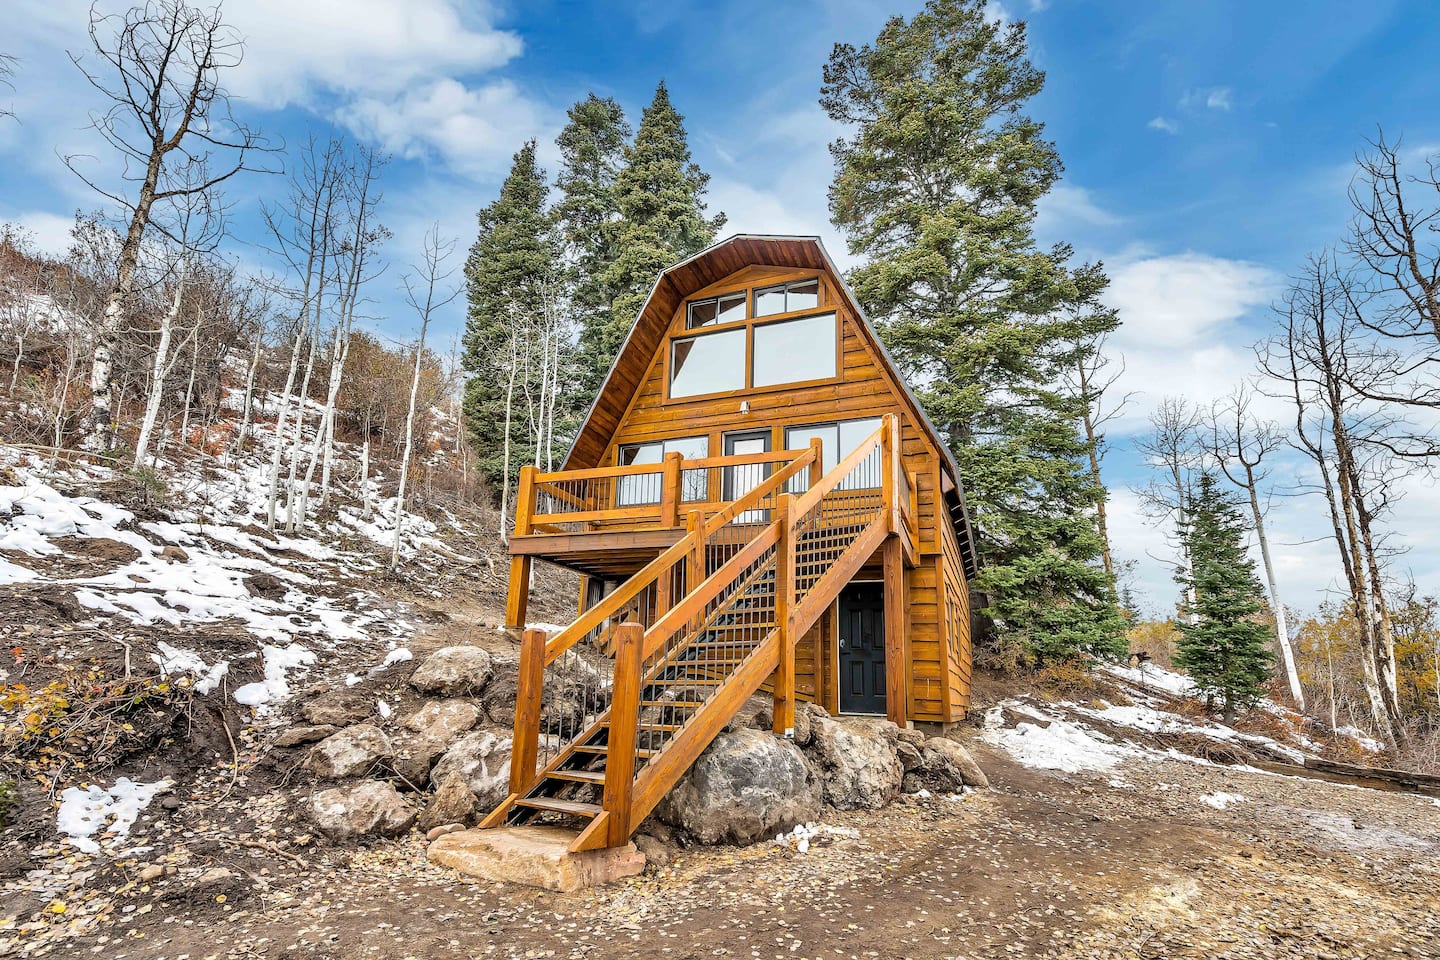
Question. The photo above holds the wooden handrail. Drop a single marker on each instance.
(695, 600)
(838, 473)
(730, 460)
(761, 490)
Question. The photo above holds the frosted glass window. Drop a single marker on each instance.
(709, 364)
(795, 350)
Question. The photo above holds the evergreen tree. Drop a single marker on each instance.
(1223, 647)
(936, 188)
(660, 198)
(513, 277)
(592, 154)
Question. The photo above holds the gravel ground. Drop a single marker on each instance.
(1128, 864)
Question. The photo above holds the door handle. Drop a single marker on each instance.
(842, 643)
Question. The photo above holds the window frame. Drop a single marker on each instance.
(690, 305)
(680, 330)
(837, 424)
(753, 305)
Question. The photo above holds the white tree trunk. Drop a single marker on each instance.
(245, 415)
(1282, 630)
(365, 480)
(159, 369)
(298, 442)
(301, 329)
(409, 441)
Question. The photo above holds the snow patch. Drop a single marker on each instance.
(84, 813)
(1062, 745)
(1220, 799)
(278, 662)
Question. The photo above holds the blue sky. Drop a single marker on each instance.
(1207, 148)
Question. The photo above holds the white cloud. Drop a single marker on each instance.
(1218, 99)
(1068, 207)
(293, 50)
(475, 130)
(1178, 301)
(1163, 124)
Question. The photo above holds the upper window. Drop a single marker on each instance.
(787, 297)
(712, 363)
(791, 351)
(706, 313)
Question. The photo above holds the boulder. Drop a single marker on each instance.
(304, 733)
(745, 786)
(443, 720)
(352, 752)
(657, 852)
(337, 709)
(415, 757)
(451, 671)
(266, 585)
(949, 766)
(482, 760)
(856, 763)
(911, 757)
(175, 553)
(452, 803)
(802, 725)
(368, 808)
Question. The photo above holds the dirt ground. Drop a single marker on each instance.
(1129, 864)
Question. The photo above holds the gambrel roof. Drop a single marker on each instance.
(710, 266)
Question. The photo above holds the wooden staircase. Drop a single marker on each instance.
(608, 718)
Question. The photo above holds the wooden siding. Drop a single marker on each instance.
(938, 681)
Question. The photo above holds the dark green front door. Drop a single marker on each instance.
(862, 648)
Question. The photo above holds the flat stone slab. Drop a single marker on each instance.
(535, 857)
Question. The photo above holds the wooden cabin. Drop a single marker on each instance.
(755, 503)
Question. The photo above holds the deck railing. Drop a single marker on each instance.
(652, 494)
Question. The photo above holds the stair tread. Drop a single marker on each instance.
(687, 704)
(599, 748)
(578, 776)
(572, 807)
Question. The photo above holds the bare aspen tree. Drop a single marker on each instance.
(1173, 449)
(427, 291)
(352, 258)
(7, 80)
(159, 66)
(194, 231)
(303, 235)
(1338, 430)
(1092, 380)
(1239, 444)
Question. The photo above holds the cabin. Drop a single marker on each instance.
(756, 504)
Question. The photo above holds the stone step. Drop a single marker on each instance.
(536, 856)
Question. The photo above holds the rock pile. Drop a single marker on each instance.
(749, 785)
(446, 761)
(440, 764)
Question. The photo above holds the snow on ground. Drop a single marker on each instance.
(1220, 799)
(1073, 737)
(84, 813)
(196, 563)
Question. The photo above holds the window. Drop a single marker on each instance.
(712, 363)
(837, 441)
(726, 309)
(787, 297)
(641, 489)
(792, 351)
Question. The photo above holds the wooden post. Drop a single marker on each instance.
(817, 465)
(895, 666)
(529, 688)
(889, 464)
(584, 595)
(670, 491)
(517, 598)
(783, 713)
(624, 723)
(695, 563)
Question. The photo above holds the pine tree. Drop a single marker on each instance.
(660, 198)
(936, 188)
(512, 272)
(1222, 645)
(592, 154)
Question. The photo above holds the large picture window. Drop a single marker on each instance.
(745, 354)
(712, 363)
(792, 351)
(643, 489)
